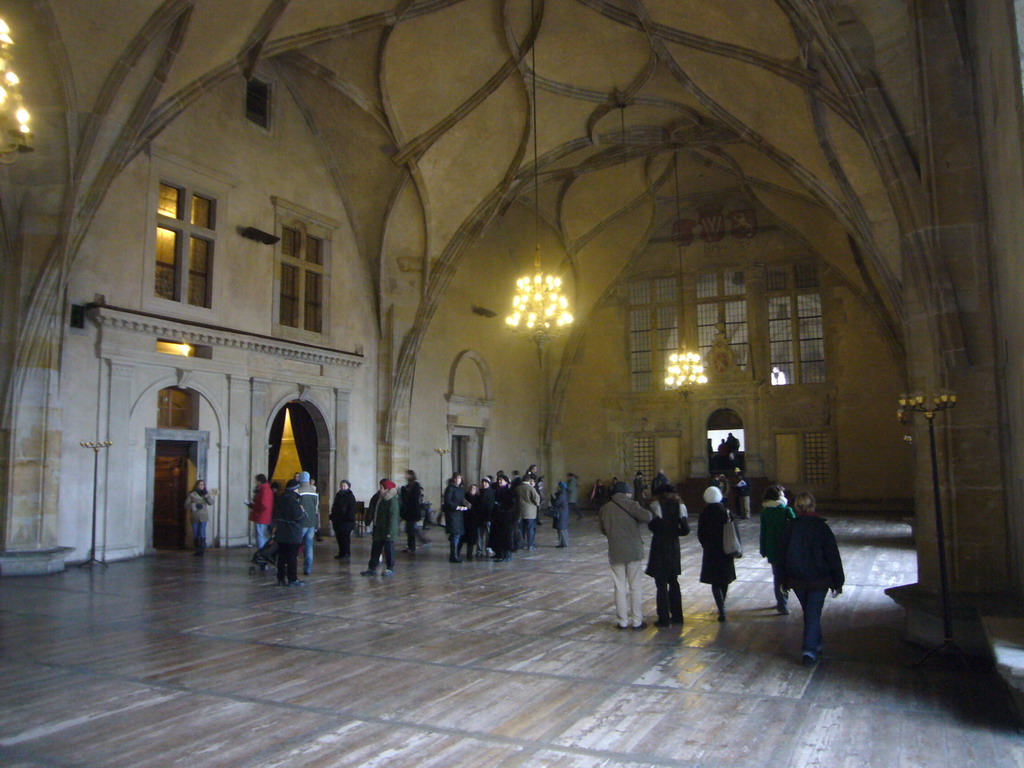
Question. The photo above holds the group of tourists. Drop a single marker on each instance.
(798, 544)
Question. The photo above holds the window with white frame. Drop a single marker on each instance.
(796, 331)
(653, 329)
(722, 298)
(186, 236)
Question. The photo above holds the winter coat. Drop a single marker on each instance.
(717, 568)
(198, 506)
(262, 510)
(660, 479)
(289, 518)
(560, 511)
(386, 516)
(469, 524)
(343, 509)
(411, 499)
(310, 501)
(809, 556)
(484, 507)
(527, 501)
(454, 498)
(639, 487)
(572, 490)
(775, 516)
(668, 524)
(620, 520)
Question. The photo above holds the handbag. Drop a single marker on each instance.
(731, 543)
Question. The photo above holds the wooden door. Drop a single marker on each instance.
(170, 489)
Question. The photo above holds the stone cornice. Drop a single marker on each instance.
(199, 334)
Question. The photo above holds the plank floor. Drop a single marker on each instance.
(174, 660)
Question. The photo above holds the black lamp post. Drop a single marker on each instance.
(96, 448)
(910, 405)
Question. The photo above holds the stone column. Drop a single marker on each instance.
(234, 470)
(258, 414)
(117, 537)
(342, 435)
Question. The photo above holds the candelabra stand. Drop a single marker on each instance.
(441, 453)
(96, 447)
(910, 405)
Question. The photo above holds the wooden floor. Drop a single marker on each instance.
(173, 660)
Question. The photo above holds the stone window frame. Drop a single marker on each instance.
(211, 184)
(648, 297)
(790, 282)
(309, 224)
(716, 300)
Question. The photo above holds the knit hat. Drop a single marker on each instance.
(303, 477)
(388, 485)
(291, 484)
(621, 487)
(562, 484)
(713, 495)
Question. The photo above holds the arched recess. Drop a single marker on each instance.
(304, 406)
(469, 412)
(724, 427)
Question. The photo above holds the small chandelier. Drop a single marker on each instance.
(14, 118)
(685, 371)
(539, 308)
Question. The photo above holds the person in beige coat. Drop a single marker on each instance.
(528, 500)
(198, 505)
(621, 521)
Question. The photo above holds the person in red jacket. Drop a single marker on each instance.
(261, 510)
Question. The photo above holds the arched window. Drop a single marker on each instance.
(177, 409)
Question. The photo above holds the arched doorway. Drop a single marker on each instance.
(299, 441)
(726, 442)
(178, 457)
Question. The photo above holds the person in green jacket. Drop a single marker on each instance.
(385, 508)
(775, 515)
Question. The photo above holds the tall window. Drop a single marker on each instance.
(643, 455)
(185, 238)
(796, 334)
(301, 296)
(722, 298)
(653, 330)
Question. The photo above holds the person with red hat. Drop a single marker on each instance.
(384, 510)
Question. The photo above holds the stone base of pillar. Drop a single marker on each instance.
(923, 624)
(33, 562)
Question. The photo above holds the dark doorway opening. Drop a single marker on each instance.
(460, 455)
(173, 474)
(726, 442)
(299, 442)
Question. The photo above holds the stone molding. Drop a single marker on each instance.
(192, 333)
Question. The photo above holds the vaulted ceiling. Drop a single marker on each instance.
(423, 110)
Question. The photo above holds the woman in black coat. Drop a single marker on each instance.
(454, 506)
(664, 566)
(483, 509)
(343, 519)
(469, 522)
(717, 568)
(503, 520)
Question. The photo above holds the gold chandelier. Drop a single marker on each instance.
(14, 118)
(685, 371)
(539, 308)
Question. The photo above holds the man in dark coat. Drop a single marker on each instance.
(664, 564)
(717, 568)
(454, 506)
(483, 514)
(810, 565)
(410, 504)
(503, 520)
(289, 520)
(343, 519)
(639, 487)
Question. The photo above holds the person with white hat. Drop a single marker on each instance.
(717, 568)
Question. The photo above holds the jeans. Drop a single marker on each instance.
(629, 593)
(529, 533)
(812, 601)
(481, 540)
(262, 534)
(199, 535)
(670, 601)
(781, 595)
(287, 562)
(308, 535)
(413, 534)
(563, 537)
(386, 548)
(574, 509)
